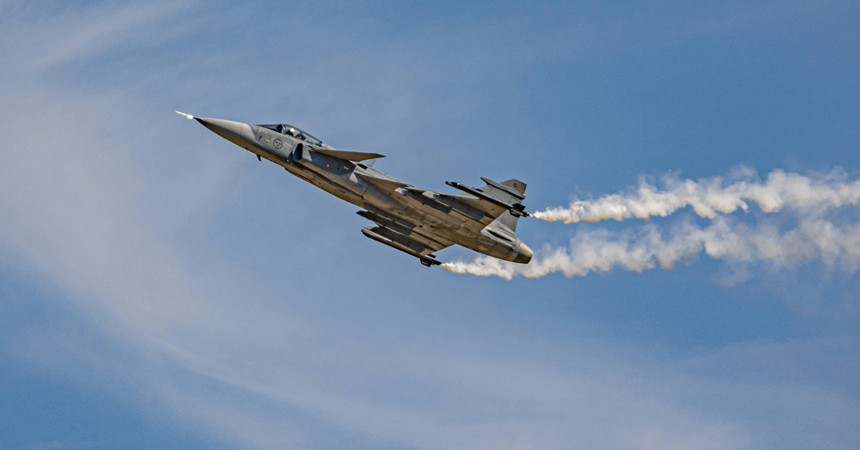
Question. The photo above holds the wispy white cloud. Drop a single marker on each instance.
(231, 353)
(71, 35)
(79, 222)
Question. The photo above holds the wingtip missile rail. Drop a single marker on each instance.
(517, 209)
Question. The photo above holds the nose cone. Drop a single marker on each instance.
(525, 254)
(236, 132)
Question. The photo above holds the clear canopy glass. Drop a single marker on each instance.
(290, 130)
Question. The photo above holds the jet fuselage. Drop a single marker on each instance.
(416, 221)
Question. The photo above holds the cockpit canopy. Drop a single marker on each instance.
(290, 130)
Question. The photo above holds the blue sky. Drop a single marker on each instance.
(159, 287)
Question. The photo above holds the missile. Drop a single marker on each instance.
(427, 260)
(516, 209)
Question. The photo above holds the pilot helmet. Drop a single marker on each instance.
(292, 131)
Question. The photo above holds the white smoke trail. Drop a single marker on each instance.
(708, 197)
(810, 200)
(600, 250)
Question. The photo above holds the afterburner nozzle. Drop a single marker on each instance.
(525, 254)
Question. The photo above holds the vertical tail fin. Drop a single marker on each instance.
(509, 191)
(515, 185)
(507, 219)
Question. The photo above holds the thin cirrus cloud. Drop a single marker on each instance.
(240, 357)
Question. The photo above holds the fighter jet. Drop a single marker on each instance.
(415, 221)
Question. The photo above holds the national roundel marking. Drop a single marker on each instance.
(277, 143)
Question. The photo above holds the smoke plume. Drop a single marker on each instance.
(708, 197)
(814, 225)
